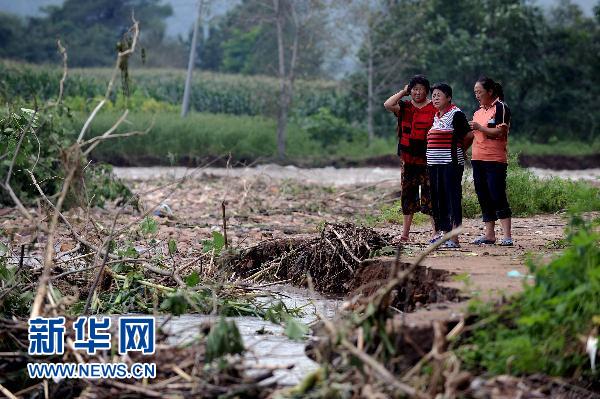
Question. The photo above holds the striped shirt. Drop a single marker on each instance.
(445, 138)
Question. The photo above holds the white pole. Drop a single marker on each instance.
(185, 106)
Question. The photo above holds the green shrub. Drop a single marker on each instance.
(326, 128)
(539, 330)
(532, 195)
(47, 133)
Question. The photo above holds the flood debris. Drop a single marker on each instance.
(376, 353)
(200, 369)
(340, 261)
(330, 259)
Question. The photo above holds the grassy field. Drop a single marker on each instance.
(173, 140)
(554, 147)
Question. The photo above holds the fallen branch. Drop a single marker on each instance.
(7, 393)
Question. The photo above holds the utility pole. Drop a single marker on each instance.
(185, 106)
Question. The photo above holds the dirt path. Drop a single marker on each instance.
(487, 266)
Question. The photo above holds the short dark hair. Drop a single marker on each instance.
(418, 80)
(489, 84)
(444, 88)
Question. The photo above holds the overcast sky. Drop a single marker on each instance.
(184, 10)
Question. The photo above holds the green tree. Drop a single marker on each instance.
(245, 40)
(546, 62)
(12, 31)
(571, 65)
(86, 26)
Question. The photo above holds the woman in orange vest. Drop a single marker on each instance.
(415, 117)
(490, 124)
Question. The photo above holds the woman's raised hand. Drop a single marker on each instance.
(405, 91)
(474, 125)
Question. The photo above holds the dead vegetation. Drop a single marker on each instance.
(181, 371)
(330, 259)
(83, 260)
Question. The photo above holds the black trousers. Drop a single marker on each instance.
(490, 185)
(446, 195)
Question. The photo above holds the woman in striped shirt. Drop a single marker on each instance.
(446, 162)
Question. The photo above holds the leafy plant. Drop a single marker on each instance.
(217, 243)
(13, 301)
(294, 329)
(193, 279)
(46, 133)
(540, 329)
(223, 339)
(148, 226)
(102, 185)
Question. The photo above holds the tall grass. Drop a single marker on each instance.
(532, 195)
(199, 136)
(555, 147)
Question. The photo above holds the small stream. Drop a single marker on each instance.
(266, 343)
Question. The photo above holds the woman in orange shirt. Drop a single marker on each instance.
(490, 125)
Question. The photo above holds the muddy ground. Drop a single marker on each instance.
(259, 207)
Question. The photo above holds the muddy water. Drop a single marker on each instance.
(266, 344)
(329, 176)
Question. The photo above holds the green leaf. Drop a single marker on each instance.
(295, 330)
(193, 279)
(129, 252)
(276, 313)
(148, 226)
(172, 247)
(6, 274)
(175, 303)
(217, 243)
(224, 338)
(3, 249)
